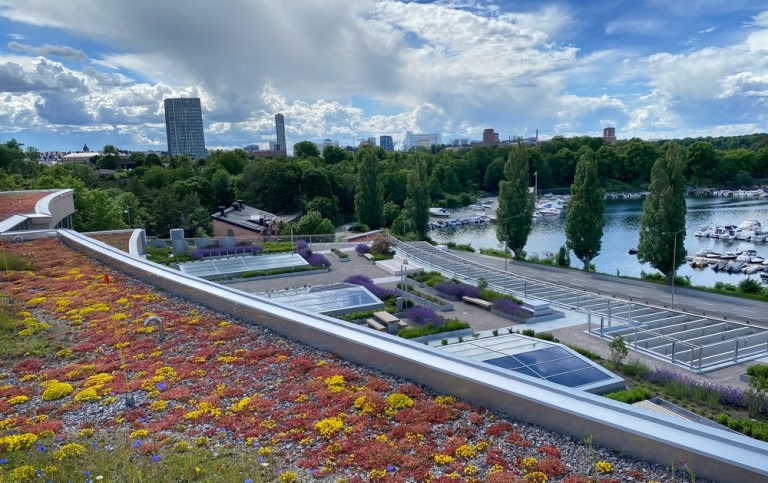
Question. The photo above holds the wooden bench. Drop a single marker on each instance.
(479, 302)
(369, 257)
(373, 324)
(385, 317)
(401, 324)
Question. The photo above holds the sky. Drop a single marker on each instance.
(96, 72)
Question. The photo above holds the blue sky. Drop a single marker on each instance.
(84, 71)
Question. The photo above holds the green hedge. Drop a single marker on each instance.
(630, 396)
(451, 325)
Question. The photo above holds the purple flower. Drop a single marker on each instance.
(420, 315)
(302, 244)
(362, 248)
(142, 420)
(86, 473)
(511, 307)
(161, 386)
(137, 443)
(683, 464)
(248, 481)
(4, 461)
(458, 290)
(390, 468)
(41, 448)
(155, 458)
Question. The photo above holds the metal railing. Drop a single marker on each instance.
(692, 357)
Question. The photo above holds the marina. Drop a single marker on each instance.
(621, 233)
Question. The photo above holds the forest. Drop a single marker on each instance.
(160, 193)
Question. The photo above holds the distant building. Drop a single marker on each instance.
(490, 137)
(609, 135)
(386, 143)
(184, 127)
(458, 142)
(251, 148)
(420, 140)
(271, 153)
(280, 131)
(326, 142)
(240, 220)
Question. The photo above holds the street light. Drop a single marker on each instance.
(127, 211)
(674, 252)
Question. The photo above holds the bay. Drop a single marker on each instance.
(622, 225)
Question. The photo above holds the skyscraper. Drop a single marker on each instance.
(184, 127)
(386, 143)
(280, 131)
(609, 135)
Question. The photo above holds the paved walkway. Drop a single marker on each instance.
(570, 329)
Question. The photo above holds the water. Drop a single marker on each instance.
(621, 232)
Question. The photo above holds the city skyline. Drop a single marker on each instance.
(344, 69)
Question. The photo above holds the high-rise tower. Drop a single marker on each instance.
(280, 131)
(184, 127)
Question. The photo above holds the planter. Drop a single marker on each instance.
(514, 318)
(340, 258)
(446, 296)
(279, 275)
(416, 284)
(426, 303)
(445, 335)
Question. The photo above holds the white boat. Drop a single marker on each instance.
(704, 230)
(439, 212)
(726, 232)
(549, 209)
(707, 253)
(743, 258)
(749, 225)
(760, 235)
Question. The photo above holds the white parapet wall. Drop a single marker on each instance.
(715, 454)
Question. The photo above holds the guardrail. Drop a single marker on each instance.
(696, 358)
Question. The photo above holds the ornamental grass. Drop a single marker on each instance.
(220, 401)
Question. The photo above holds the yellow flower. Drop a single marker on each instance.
(85, 433)
(335, 383)
(288, 477)
(158, 405)
(18, 442)
(98, 379)
(87, 395)
(536, 477)
(18, 400)
(604, 467)
(530, 464)
(465, 451)
(139, 433)
(68, 450)
(442, 459)
(57, 390)
(23, 473)
(328, 427)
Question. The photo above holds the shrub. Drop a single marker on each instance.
(563, 257)
(380, 292)
(750, 285)
(511, 307)
(547, 336)
(672, 381)
(618, 350)
(302, 244)
(636, 368)
(362, 248)
(422, 316)
(381, 245)
(586, 352)
(339, 253)
(449, 326)
(458, 289)
(630, 396)
(11, 261)
(359, 227)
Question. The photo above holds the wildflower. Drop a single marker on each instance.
(4, 461)
(161, 386)
(248, 481)
(41, 448)
(390, 468)
(137, 444)
(155, 458)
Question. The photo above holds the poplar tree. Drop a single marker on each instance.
(585, 220)
(417, 203)
(516, 203)
(369, 199)
(662, 226)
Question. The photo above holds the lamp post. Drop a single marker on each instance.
(674, 252)
(127, 211)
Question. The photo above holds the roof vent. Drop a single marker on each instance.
(221, 211)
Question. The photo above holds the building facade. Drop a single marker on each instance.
(609, 135)
(386, 143)
(184, 127)
(280, 131)
(490, 137)
(420, 140)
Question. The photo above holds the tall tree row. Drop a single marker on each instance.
(662, 226)
(516, 203)
(585, 220)
(369, 202)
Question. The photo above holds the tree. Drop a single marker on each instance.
(662, 226)
(417, 204)
(312, 223)
(516, 204)
(369, 201)
(618, 350)
(585, 221)
(33, 154)
(110, 157)
(305, 149)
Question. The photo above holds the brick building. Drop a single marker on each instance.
(240, 220)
